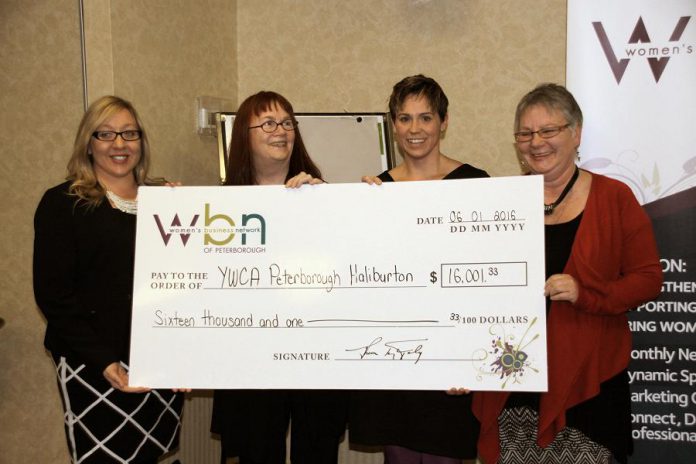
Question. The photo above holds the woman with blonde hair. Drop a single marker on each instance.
(84, 250)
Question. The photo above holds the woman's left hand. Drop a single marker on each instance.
(302, 178)
(562, 287)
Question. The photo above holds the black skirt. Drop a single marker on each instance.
(104, 425)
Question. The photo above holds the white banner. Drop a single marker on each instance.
(632, 67)
(415, 285)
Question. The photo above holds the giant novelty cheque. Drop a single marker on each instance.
(412, 285)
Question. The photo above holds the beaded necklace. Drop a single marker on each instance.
(127, 206)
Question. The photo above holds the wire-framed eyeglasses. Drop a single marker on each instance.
(545, 133)
(271, 125)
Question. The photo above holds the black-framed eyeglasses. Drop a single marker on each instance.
(545, 133)
(271, 125)
(110, 136)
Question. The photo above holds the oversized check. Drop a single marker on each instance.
(410, 285)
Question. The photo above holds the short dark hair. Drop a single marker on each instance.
(240, 163)
(551, 96)
(418, 85)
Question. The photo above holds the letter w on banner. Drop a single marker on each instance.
(631, 64)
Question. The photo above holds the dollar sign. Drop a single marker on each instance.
(433, 277)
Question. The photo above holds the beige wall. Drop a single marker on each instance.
(161, 54)
(335, 56)
(41, 92)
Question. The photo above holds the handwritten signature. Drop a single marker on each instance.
(396, 350)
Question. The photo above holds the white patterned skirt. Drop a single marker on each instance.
(104, 425)
(518, 436)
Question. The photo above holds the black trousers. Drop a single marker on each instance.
(253, 425)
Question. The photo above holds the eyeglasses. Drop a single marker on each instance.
(271, 126)
(545, 133)
(110, 136)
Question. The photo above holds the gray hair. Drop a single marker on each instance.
(551, 96)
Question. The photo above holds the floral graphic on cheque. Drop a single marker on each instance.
(510, 361)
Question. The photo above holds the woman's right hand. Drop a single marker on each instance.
(117, 376)
(371, 180)
(301, 179)
(562, 287)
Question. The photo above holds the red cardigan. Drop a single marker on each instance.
(615, 261)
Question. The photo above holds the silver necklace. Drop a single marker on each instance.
(127, 206)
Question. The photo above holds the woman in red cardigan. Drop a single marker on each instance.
(601, 261)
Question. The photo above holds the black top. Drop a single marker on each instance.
(558, 243)
(83, 277)
(465, 171)
(426, 421)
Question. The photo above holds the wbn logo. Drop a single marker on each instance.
(657, 57)
(184, 233)
(228, 229)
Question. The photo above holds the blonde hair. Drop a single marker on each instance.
(84, 184)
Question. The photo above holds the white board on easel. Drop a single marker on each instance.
(345, 146)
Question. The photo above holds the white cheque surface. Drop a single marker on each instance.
(413, 285)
